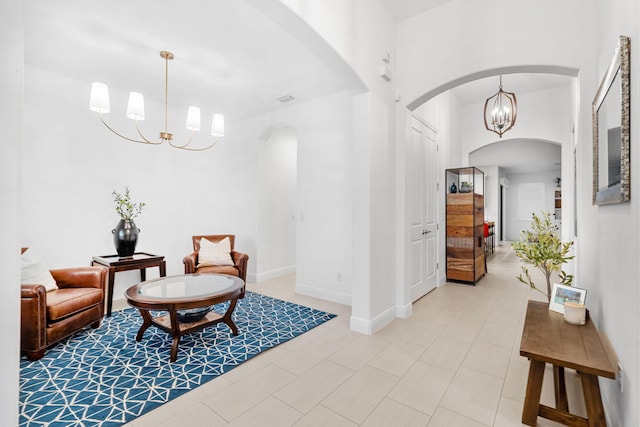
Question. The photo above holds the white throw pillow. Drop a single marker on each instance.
(34, 272)
(214, 253)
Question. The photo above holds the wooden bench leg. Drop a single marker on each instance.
(560, 388)
(592, 400)
(534, 389)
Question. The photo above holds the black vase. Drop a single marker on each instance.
(125, 237)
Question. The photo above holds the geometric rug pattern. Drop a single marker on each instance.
(104, 377)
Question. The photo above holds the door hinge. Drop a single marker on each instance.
(438, 186)
(437, 265)
(437, 226)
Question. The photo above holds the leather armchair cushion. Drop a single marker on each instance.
(63, 303)
(220, 269)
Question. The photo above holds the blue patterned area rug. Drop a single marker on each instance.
(103, 377)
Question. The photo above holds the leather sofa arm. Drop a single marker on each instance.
(33, 316)
(81, 277)
(240, 260)
(190, 262)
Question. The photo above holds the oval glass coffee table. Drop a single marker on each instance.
(188, 299)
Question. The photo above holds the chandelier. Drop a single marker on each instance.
(500, 111)
(99, 102)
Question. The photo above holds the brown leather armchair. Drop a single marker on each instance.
(239, 259)
(48, 317)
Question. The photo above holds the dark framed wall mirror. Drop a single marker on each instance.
(611, 130)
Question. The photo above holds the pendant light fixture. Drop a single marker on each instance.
(500, 111)
(99, 102)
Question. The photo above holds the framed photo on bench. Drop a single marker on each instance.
(563, 293)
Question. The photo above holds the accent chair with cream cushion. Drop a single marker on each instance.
(216, 254)
(57, 303)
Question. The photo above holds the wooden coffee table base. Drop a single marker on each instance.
(170, 324)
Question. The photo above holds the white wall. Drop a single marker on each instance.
(514, 223)
(11, 81)
(608, 246)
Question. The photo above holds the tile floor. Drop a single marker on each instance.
(454, 362)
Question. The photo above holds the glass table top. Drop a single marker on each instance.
(188, 286)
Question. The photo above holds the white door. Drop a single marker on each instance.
(422, 196)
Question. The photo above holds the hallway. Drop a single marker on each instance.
(454, 362)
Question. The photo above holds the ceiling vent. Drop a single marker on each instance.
(285, 98)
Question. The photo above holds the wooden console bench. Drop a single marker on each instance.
(547, 338)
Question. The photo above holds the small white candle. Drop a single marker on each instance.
(574, 313)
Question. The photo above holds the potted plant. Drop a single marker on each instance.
(541, 247)
(125, 235)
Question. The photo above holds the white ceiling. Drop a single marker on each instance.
(229, 57)
(403, 9)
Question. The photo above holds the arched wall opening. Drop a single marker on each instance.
(555, 110)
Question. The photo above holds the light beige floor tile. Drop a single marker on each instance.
(515, 382)
(446, 418)
(474, 395)
(359, 352)
(323, 417)
(395, 328)
(269, 413)
(312, 387)
(397, 357)
(198, 415)
(476, 313)
(488, 359)
(505, 317)
(240, 396)
(360, 394)
(422, 333)
(391, 413)
(446, 353)
(422, 387)
(462, 331)
(300, 360)
(498, 334)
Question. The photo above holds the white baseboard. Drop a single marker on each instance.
(325, 294)
(271, 274)
(404, 312)
(370, 327)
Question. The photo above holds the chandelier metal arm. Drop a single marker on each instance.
(146, 141)
(184, 147)
(119, 134)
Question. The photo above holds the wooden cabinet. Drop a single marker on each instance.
(465, 225)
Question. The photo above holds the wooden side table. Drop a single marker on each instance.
(139, 261)
(547, 338)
